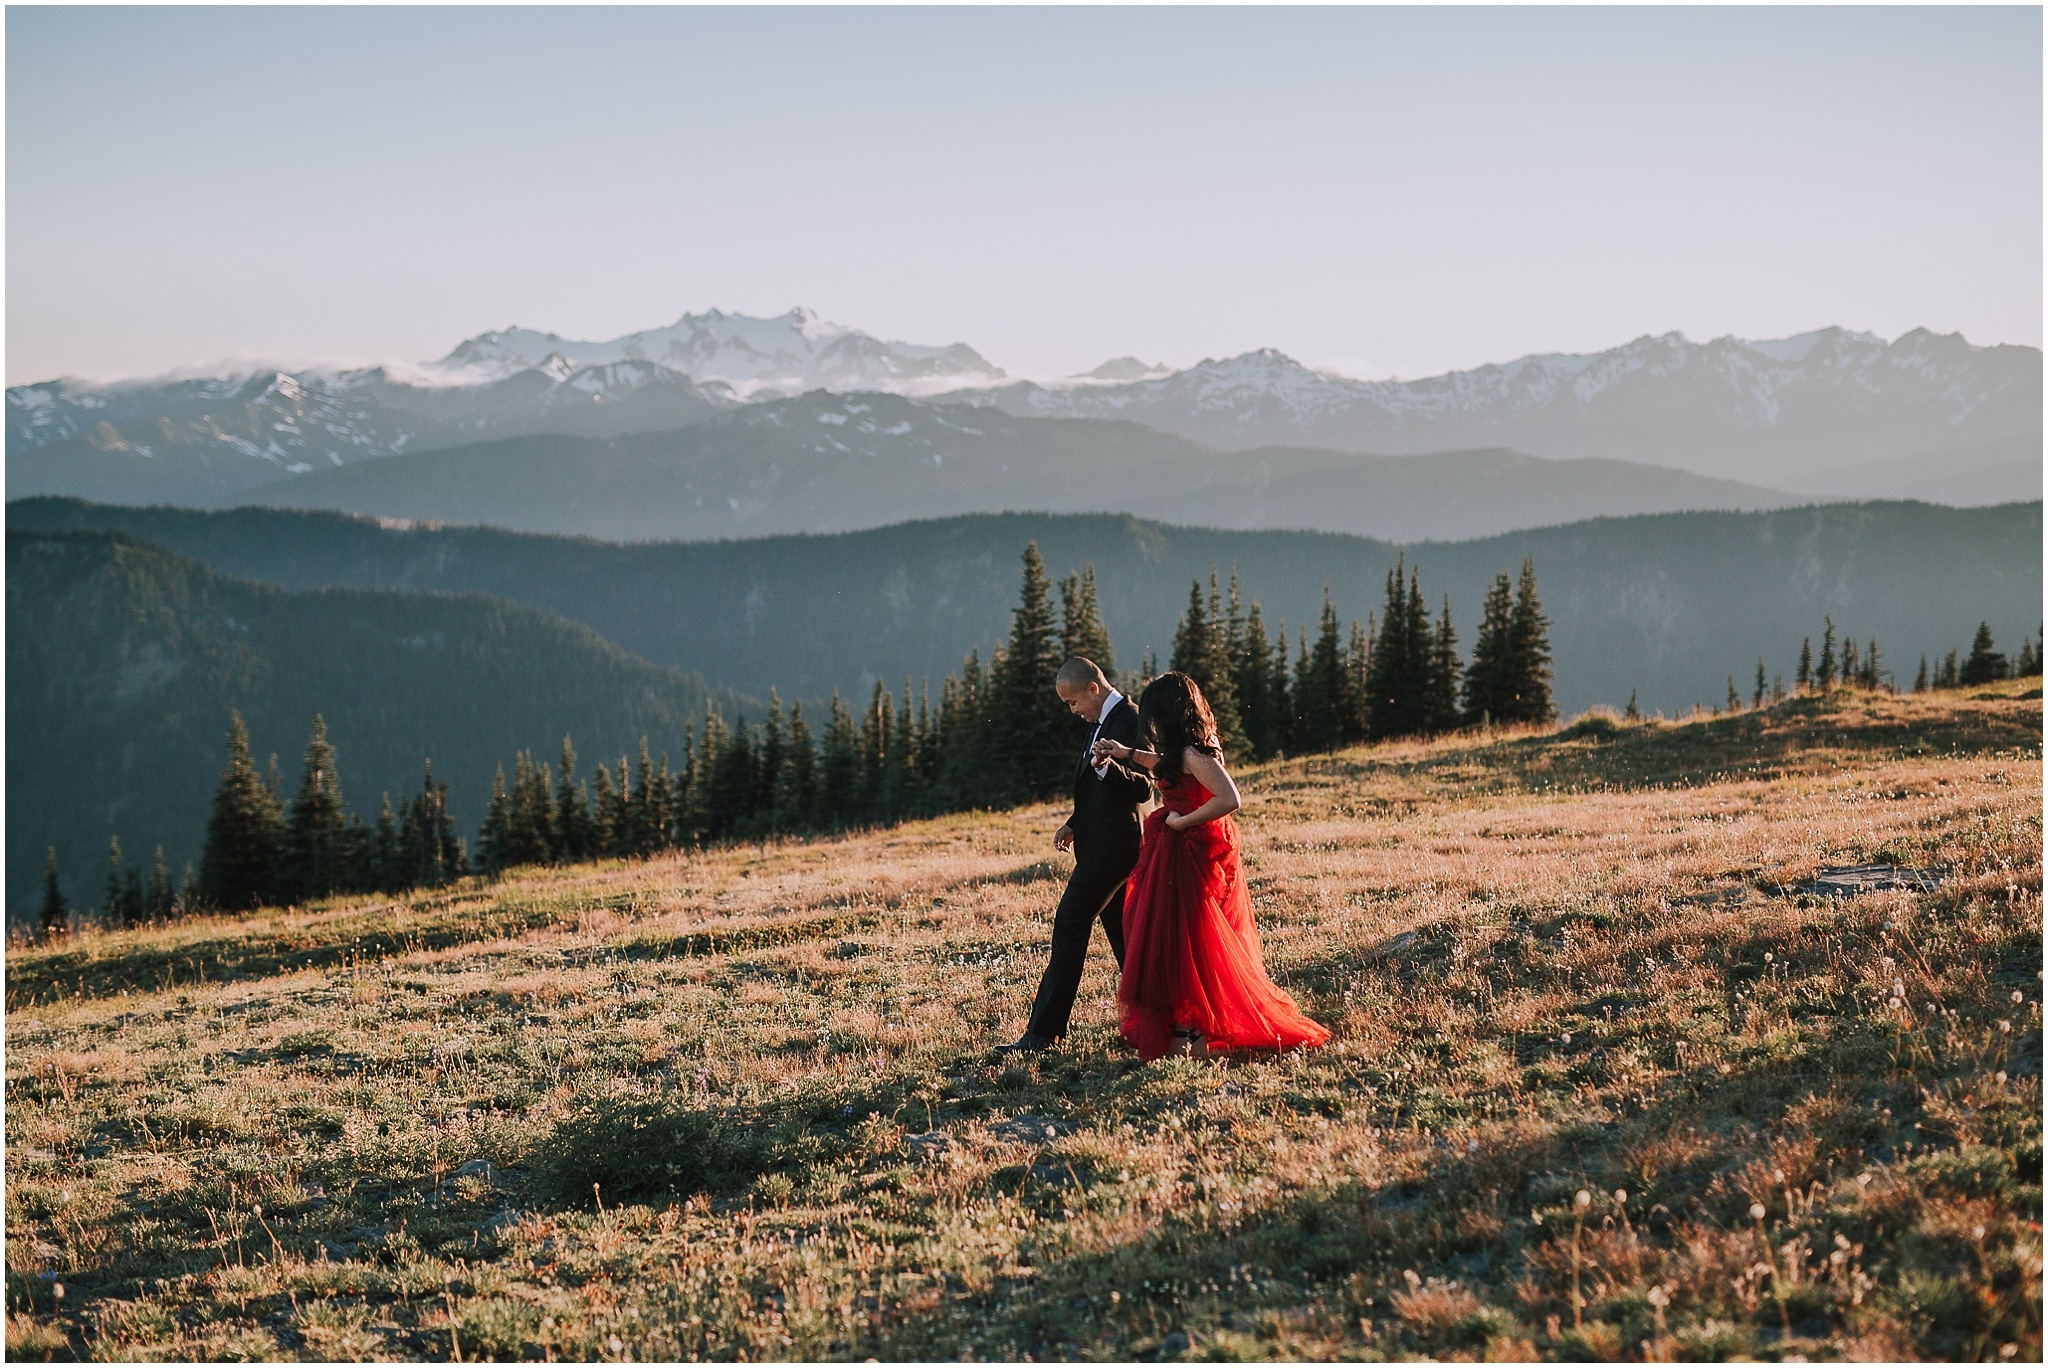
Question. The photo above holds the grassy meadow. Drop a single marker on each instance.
(1606, 1083)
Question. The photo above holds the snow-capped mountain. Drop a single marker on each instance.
(201, 440)
(1828, 412)
(789, 354)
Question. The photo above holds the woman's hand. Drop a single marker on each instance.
(1175, 821)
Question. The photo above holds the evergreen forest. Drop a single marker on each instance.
(994, 734)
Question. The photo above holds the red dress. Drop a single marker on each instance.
(1191, 951)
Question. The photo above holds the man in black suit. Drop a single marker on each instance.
(1103, 833)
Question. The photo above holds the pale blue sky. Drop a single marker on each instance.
(1382, 191)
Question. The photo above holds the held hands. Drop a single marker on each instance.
(1063, 839)
(1106, 749)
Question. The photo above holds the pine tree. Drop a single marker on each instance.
(769, 757)
(115, 910)
(795, 779)
(1444, 671)
(239, 865)
(1081, 630)
(900, 781)
(877, 720)
(1488, 691)
(315, 826)
(606, 813)
(1851, 668)
(643, 812)
(391, 876)
(1762, 685)
(1254, 685)
(358, 862)
(1202, 651)
(1319, 693)
(1398, 673)
(732, 780)
(1803, 680)
(1986, 663)
(1948, 675)
(839, 769)
(1283, 695)
(1354, 709)
(493, 842)
(1033, 739)
(1920, 680)
(55, 914)
(1873, 666)
(1529, 653)
(1734, 704)
(162, 900)
(572, 811)
(1824, 676)
(1632, 713)
(1226, 617)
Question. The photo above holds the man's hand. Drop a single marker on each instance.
(1063, 839)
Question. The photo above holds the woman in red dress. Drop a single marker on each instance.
(1193, 978)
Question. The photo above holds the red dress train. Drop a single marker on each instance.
(1191, 951)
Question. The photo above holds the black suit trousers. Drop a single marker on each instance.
(1094, 890)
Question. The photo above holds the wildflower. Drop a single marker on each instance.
(1756, 1211)
(1621, 1196)
(1583, 1200)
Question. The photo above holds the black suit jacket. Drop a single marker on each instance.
(1105, 817)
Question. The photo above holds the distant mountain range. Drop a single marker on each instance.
(795, 352)
(1829, 414)
(1669, 604)
(832, 463)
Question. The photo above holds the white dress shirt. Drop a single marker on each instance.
(1108, 706)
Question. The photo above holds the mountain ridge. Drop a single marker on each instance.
(828, 463)
(1668, 603)
(1830, 413)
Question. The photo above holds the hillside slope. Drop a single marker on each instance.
(1605, 1084)
(124, 661)
(1668, 605)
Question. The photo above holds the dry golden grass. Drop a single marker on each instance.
(1605, 1084)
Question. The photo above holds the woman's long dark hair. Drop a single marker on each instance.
(1174, 716)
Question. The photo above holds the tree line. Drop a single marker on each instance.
(1845, 665)
(996, 734)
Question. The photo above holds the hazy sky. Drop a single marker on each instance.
(1379, 191)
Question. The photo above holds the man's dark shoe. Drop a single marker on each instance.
(1029, 1043)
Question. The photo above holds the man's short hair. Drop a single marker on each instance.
(1079, 672)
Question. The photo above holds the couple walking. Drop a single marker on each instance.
(1171, 895)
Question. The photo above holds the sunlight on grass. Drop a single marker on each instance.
(1606, 1083)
